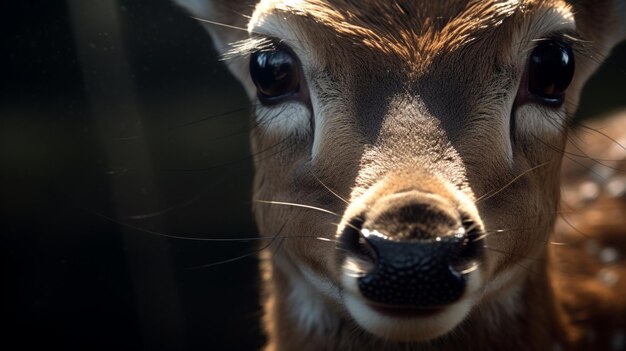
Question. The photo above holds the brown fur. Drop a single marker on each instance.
(411, 94)
(410, 32)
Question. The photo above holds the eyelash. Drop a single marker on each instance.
(246, 47)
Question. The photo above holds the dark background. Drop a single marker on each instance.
(118, 124)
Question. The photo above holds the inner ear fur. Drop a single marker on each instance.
(229, 19)
(602, 22)
(226, 22)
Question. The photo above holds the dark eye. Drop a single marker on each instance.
(550, 71)
(275, 73)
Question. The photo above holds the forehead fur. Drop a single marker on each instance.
(414, 30)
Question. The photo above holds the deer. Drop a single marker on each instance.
(413, 189)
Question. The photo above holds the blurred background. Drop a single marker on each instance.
(118, 124)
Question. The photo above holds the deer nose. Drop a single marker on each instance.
(419, 248)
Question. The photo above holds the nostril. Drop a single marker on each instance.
(472, 245)
(353, 241)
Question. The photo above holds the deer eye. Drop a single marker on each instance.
(276, 74)
(550, 71)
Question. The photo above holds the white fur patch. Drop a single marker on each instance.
(307, 299)
(536, 121)
(284, 119)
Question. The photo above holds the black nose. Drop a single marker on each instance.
(421, 262)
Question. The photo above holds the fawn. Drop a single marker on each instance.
(413, 185)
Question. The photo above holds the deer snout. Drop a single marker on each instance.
(416, 248)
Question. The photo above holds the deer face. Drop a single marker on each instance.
(429, 135)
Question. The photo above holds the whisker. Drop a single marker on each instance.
(207, 118)
(196, 197)
(224, 25)
(488, 196)
(229, 260)
(168, 131)
(353, 227)
(510, 253)
(583, 155)
(192, 238)
(555, 243)
(515, 255)
(241, 257)
(472, 227)
(603, 134)
(278, 247)
(595, 159)
(503, 231)
(527, 269)
(471, 269)
(482, 237)
(331, 190)
(235, 161)
(574, 227)
(298, 205)
(573, 143)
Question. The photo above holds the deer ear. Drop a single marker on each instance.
(602, 25)
(226, 21)
(602, 22)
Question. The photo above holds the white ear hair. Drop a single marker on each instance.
(199, 8)
(226, 22)
(601, 21)
(221, 19)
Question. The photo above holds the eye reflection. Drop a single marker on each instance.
(275, 74)
(551, 70)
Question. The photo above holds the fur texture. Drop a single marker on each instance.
(415, 96)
